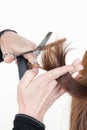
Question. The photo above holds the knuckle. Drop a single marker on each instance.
(63, 70)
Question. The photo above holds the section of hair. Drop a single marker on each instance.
(78, 119)
(55, 57)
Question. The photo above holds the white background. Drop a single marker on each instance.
(33, 19)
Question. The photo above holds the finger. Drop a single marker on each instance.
(28, 77)
(53, 74)
(56, 73)
(77, 66)
(30, 57)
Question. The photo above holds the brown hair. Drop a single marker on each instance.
(55, 57)
(79, 106)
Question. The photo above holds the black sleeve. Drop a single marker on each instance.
(24, 122)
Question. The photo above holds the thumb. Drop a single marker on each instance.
(28, 77)
(8, 57)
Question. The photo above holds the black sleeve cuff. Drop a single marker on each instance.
(24, 122)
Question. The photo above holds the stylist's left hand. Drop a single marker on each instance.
(37, 94)
(11, 42)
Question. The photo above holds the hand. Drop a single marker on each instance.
(11, 42)
(36, 94)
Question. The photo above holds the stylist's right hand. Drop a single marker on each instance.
(37, 94)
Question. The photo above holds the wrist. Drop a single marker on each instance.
(35, 114)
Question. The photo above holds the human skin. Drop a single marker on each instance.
(35, 94)
(11, 42)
